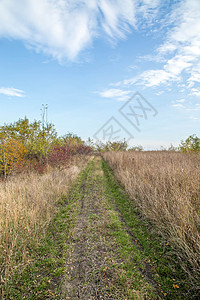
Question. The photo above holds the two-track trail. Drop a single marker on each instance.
(103, 259)
(99, 246)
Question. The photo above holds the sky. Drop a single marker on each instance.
(108, 69)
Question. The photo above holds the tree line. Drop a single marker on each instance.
(26, 145)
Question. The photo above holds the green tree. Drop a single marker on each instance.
(172, 148)
(111, 146)
(38, 137)
(72, 139)
(192, 143)
(136, 148)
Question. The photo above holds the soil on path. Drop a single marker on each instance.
(98, 265)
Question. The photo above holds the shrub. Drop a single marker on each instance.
(191, 144)
(12, 156)
(59, 157)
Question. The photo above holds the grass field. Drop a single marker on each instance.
(99, 236)
(166, 188)
(28, 204)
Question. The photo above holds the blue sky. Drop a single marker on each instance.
(86, 58)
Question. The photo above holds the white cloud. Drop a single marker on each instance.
(115, 93)
(117, 15)
(63, 28)
(180, 101)
(187, 105)
(148, 9)
(195, 92)
(11, 92)
(178, 105)
(171, 72)
(180, 53)
(154, 77)
(194, 118)
(167, 48)
(159, 93)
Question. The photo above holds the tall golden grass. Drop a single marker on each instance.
(27, 204)
(166, 187)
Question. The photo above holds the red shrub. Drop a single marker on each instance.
(59, 156)
(80, 149)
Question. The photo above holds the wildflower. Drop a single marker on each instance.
(175, 286)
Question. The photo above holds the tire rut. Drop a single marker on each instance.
(87, 253)
(147, 268)
(95, 268)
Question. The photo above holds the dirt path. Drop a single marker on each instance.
(99, 246)
(100, 264)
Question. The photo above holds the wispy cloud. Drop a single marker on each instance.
(180, 100)
(11, 92)
(195, 92)
(194, 118)
(62, 28)
(188, 106)
(178, 105)
(180, 52)
(115, 93)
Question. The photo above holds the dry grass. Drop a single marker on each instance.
(27, 205)
(166, 187)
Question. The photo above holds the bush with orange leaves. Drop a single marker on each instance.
(12, 156)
